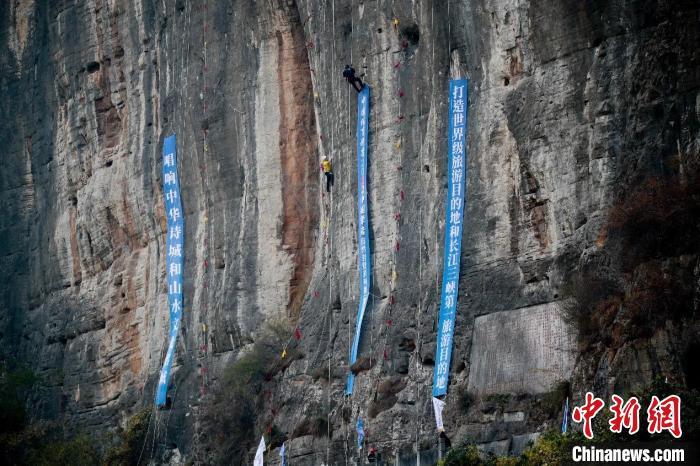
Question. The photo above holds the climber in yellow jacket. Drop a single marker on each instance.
(327, 169)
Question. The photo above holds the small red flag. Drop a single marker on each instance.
(297, 333)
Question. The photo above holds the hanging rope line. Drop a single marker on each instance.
(419, 316)
(203, 349)
(330, 251)
(348, 125)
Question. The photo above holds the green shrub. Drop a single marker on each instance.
(552, 448)
(504, 461)
(590, 304)
(464, 456)
(464, 399)
(501, 399)
(42, 443)
(645, 272)
(79, 451)
(131, 441)
(661, 218)
(229, 413)
(690, 406)
(553, 401)
(14, 384)
(39, 443)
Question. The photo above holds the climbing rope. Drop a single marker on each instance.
(419, 339)
(330, 253)
(328, 248)
(449, 36)
(151, 416)
(347, 94)
(203, 353)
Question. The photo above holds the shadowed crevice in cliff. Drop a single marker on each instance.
(298, 152)
(109, 124)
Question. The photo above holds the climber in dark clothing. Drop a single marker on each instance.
(349, 74)
(372, 455)
(445, 440)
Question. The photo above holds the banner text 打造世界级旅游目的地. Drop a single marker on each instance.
(454, 210)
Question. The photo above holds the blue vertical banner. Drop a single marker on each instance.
(454, 210)
(364, 252)
(174, 250)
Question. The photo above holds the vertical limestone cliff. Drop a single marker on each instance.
(573, 105)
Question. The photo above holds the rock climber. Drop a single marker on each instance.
(354, 81)
(446, 443)
(372, 455)
(168, 403)
(327, 169)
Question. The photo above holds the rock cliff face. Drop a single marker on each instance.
(572, 104)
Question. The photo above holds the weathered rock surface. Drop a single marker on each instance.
(571, 104)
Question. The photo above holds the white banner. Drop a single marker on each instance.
(283, 455)
(438, 405)
(259, 454)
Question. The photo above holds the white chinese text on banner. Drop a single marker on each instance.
(174, 259)
(364, 253)
(454, 209)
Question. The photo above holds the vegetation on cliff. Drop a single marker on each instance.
(644, 274)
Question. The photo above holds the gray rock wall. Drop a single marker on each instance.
(571, 103)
